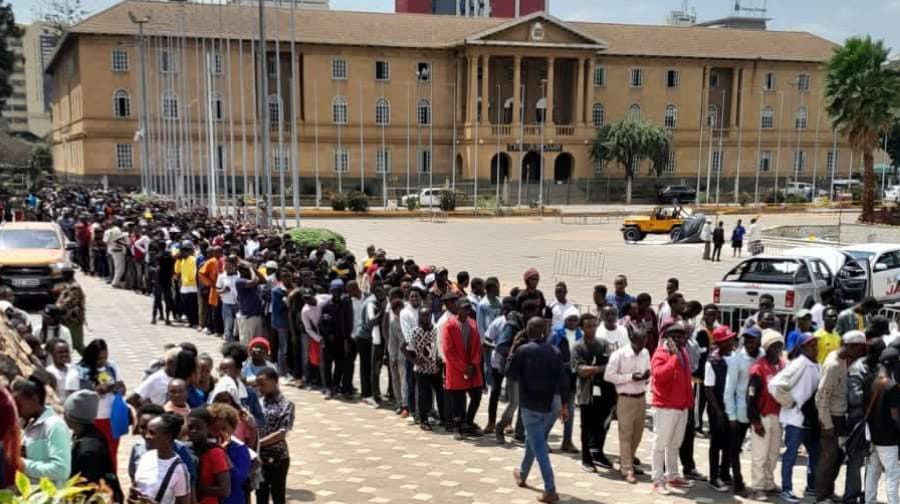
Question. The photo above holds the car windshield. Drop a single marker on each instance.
(770, 271)
(28, 239)
(859, 255)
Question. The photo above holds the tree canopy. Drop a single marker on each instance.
(628, 143)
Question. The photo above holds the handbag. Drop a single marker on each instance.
(856, 440)
(119, 416)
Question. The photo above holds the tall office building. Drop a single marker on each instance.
(473, 8)
(28, 107)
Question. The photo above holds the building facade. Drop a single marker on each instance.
(473, 8)
(28, 107)
(401, 99)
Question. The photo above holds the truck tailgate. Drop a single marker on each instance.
(747, 294)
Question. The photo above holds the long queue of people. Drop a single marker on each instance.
(827, 384)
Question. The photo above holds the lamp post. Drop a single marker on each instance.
(145, 141)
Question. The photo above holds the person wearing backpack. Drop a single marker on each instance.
(799, 417)
(762, 411)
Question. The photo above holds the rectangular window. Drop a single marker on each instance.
(600, 77)
(280, 160)
(833, 157)
(173, 158)
(765, 161)
(803, 82)
(636, 165)
(718, 160)
(637, 78)
(671, 163)
(424, 161)
(339, 69)
(272, 67)
(382, 71)
(220, 158)
(218, 63)
(769, 81)
(167, 61)
(672, 78)
(713, 80)
(341, 161)
(423, 72)
(598, 167)
(124, 157)
(383, 161)
(799, 161)
(119, 60)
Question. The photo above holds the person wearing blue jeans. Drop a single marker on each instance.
(800, 421)
(565, 336)
(543, 379)
(280, 317)
(793, 438)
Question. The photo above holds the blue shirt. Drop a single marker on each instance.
(279, 309)
(239, 456)
(619, 302)
(736, 382)
(738, 233)
(195, 397)
(485, 313)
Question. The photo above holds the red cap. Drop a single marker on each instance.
(722, 333)
(263, 342)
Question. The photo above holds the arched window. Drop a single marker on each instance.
(275, 111)
(634, 112)
(170, 105)
(712, 116)
(339, 110)
(801, 119)
(382, 112)
(218, 107)
(767, 118)
(423, 112)
(598, 115)
(121, 103)
(671, 120)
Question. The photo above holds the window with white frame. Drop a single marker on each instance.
(121, 104)
(423, 163)
(718, 160)
(672, 78)
(799, 161)
(671, 163)
(599, 166)
(600, 76)
(173, 157)
(801, 119)
(831, 164)
(221, 156)
(339, 69)
(382, 112)
(765, 161)
(712, 116)
(218, 107)
(636, 78)
(635, 165)
(423, 112)
(769, 81)
(272, 67)
(803, 82)
(671, 118)
(170, 105)
(383, 161)
(382, 70)
(339, 112)
(423, 71)
(218, 63)
(634, 112)
(598, 115)
(168, 62)
(767, 118)
(119, 61)
(342, 160)
(280, 160)
(124, 157)
(276, 111)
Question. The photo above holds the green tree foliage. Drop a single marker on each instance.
(628, 143)
(862, 98)
(893, 144)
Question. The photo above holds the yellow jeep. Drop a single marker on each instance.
(663, 220)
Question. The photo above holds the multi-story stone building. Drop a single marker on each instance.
(420, 94)
(28, 107)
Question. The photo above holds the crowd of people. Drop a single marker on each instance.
(319, 319)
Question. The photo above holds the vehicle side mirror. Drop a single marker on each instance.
(880, 267)
(71, 246)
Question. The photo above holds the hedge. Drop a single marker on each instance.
(311, 237)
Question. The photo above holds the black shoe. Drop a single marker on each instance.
(719, 485)
(474, 431)
(458, 436)
(603, 462)
(588, 468)
(636, 461)
(638, 471)
(694, 475)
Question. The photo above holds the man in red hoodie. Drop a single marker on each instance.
(672, 395)
(461, 348)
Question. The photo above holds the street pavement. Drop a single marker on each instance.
(343, 452)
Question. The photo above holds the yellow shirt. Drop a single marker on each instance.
(187, 270)
(827, 342)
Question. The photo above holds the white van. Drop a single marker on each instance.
(883, 263)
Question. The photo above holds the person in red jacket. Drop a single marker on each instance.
(762, 411)
(461, 348)
(672, 395)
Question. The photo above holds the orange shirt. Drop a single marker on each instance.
(209, 273)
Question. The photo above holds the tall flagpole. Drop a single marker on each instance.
(721, 152)
(703, 116)
(316, 132)
(799, 157)
(264, 111)
(454, 97)
(257, 146)
(246, 185)
(431, 131)
(281, 165)
(475, 146)
(520, 141)
(211, 132)
(362, 148)
(780, 130)
(295, 154)
(834, 162)
(740, 126)
(497, 169)
(759, 148)
(340, 151)
(408, 123)
(714, 124)
(816, 148)
(232, 202)
(385, 156)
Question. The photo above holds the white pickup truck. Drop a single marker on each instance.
(794, 281)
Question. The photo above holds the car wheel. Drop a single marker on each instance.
(675, 234)
(632, 234)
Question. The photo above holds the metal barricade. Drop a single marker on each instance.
(892, 313)
(587, 220)
(578, 264)
(436, 216)
(735, 316)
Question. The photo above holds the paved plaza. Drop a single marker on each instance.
(348, 453)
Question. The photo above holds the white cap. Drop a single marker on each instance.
(854, 338)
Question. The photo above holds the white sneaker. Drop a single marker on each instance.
(369, 401)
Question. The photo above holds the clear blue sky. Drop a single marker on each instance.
(832, 19)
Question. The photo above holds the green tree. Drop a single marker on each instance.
(8, 31)
(893, 144)
(862, 97)
(628, 143)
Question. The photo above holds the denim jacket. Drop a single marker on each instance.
(736, 382)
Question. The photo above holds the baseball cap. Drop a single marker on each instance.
(752, 331)
(721, 334)
(770, 337)
(803, 313)
(854, 338)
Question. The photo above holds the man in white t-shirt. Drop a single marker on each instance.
(228, 296)
(155, 388)
(60, 366)
(614, 334)
(558, 308)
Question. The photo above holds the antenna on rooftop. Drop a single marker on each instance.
(751, 8)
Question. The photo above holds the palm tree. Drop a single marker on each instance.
(628, 143)
(862, 98)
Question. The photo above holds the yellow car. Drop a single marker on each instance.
(32, 257)
(663, 220)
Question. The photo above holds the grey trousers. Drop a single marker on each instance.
(512, 404)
